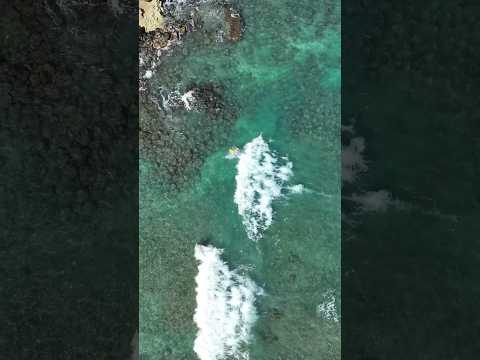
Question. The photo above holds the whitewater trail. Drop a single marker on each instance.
(225, 311)
(261, 178)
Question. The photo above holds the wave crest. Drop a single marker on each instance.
(260, 179)
(225, 310)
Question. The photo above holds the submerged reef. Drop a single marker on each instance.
(177, 134)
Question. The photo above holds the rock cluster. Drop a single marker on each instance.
(177, 140)
(158, 27)
(157, 39)
(234, 23)
(170, 21)
(208, 97)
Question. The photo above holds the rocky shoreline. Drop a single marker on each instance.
(180, 127)
(172, 19)
(163, 24)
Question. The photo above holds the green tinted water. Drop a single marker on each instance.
(284, 79)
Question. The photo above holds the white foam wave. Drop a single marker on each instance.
(225, 311)
(261, 178)
(296, 189)
(328, 309)
(148, 74)
(188, 99)
(173, 99)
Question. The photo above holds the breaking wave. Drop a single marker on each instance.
(175, 99)
(328, 309)
(225, 310)
(261, 178)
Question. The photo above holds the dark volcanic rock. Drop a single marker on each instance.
(208, 97)
(157, 39)
(178, 140)
(234, 23)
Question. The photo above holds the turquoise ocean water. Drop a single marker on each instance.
(283, 78)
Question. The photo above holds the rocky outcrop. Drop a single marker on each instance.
(157, 39)
(150, 16)
(234, 23)
(208, 98)
(177, 139)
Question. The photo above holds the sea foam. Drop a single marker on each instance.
(188, 99)
(225, 310)
(261, 178)
(174, 99)
(327, 309)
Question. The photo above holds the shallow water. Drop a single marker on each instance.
(283, 79)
